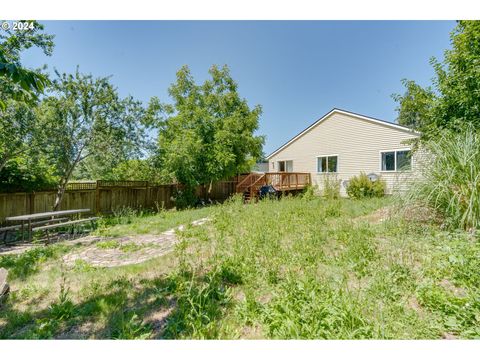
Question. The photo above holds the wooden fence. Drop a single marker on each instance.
(103, 197)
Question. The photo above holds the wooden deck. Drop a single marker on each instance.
(281, 181)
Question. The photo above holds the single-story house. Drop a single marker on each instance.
(341, 144)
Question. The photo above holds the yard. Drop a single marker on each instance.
(302, 267)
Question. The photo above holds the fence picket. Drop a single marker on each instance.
(102, 197)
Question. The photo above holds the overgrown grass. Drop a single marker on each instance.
(450, 178)
(131, 222)
(23, 265)
(297, 268)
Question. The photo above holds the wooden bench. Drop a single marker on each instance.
(62, 224)
(6, 229)
(29, 219)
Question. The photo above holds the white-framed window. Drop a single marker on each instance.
(327, 164)
(396, 160)
(285, 166)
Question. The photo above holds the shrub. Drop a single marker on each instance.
(361, 187)
(331, 187)
(27, 174)
(123, 215)
(185, 198)
(309, 192)
(450, 178)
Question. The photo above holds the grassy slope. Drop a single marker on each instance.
(293, 268)
(130, 223)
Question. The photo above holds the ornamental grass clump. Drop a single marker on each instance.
(450, 178)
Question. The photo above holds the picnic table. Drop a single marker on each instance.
(53, 216)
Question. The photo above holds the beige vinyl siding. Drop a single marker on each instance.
(357, 143)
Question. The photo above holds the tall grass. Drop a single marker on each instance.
(294, 268)
(450, 178)
(331, 187)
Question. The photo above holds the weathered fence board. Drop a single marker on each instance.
(104, 197)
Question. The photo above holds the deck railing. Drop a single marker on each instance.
(248, 181)
(281, 181)
(287, 181)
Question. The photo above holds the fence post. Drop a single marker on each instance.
(32, 202)
(146, 195)
(97, 198)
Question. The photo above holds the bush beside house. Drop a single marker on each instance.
(362, 187)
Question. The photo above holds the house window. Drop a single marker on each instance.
(404, 160)
(327, 164)
(285, 166)
(388, 161)
(397, 160)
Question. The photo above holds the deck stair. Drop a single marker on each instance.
(248, 186)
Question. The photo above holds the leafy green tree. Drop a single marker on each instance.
(18, 131)
(136, 169)
(16, 82)
(27, 173)
(453, 101)
(208, 132)
(415, 106)
(84, 118)
(19, 90)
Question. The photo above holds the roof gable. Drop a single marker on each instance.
(343, 112)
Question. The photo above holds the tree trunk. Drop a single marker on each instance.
(63, 186)
(209, 191)
(59, 197)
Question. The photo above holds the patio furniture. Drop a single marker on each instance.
(52, 219)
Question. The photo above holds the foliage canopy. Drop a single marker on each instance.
(85, 118)
(453, 100)
(208, 132)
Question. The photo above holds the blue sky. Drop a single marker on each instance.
(297, 70)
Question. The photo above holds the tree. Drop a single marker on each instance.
(19, 90)
(415, 105)
(27, 173)
(17, 82)
(454, 99)
(18, 130)
(207, 134)
(25, 85)
(84, 117)
(135, 169)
